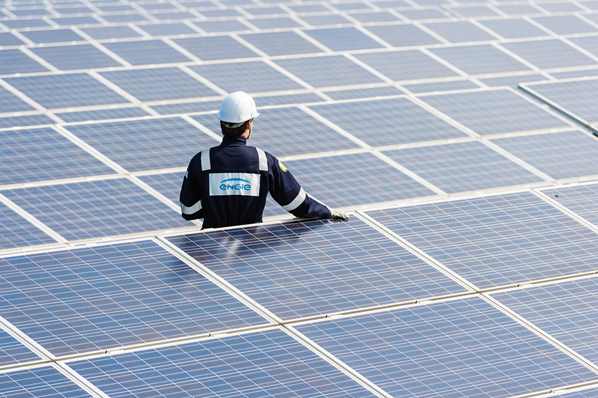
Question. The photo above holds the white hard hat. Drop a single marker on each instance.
(237, 107)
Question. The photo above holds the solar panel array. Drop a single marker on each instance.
(460, 134)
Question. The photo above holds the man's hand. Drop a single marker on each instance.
(338, 216)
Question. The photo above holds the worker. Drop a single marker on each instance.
(228, 184)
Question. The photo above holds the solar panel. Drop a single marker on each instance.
(13, 352)
(287, 99)
(158, 84)
(460, 31)
(494, 111)
(267, 363)
(462, 167)
(562, 155)
(263, 77)
(541, 53)
(588, 43)
(145, 144)
(102, 114)
(581, 199)
(281, 43)
(479, 59)
(167, 29)
(95, 209)
(328, 71)
(168, 184)
(565, 24)
(44, 382)
(374, 16)
(498, 240)
(43, 154)
(11, 103)
(9, 39)
(110, 296)
(514, 28)
(566, 311)
(384, 91)
(23, 121)
(574, 97)
(453, 85)
(350, 180)
(215, 47)
(111, 32)
(273, 23)
(325, 19)
(15, 231)
(398, 121)
(46, 36)
(15, 61)
(451, 349)
(188, 107)
(145, 52)
(343, 38)
(24, 23)
(288, 131)
(404, 35)
(221, 26)
(406, 65)
(73, 57)
(57, 91)
(315, 268)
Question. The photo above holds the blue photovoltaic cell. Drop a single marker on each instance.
(265, 364)
(215, 47)
(281, 43)
(325, 19)
(497, 240)
(15, 61)
(479, 59)
(22, 121)
(404, 35)
(462, 167)
(514, 28)
(261, 77)
(398, 121)
(328, 71)
(494, 111)
(274, 23)
(167, 29)
(111, 32)
(288, 131)
(453, 85)
(406, 65)
(83, 56)
(168, 184)
(15, 231)
(145, 52)
(44, 382)
(95, 209)
(565, 24)
(66, 90)
(360, 175)
(145, 144)
(384, 91)
(313, 268)
(224, 26)
(541, 53)
(190, 107)
(13, 352)
(43, 154)
(566, 311)
(52, 36)
(109, 296)
(463, 348)
(287, 99)
(158, 84)
(581, 199)
(9, 39)
(24, 23)
(574, 97)
(68, 21)
(374, 16)
(562, 155)
(459, 31)
(11, 103)
(124, 18)
(343, 39)
(102, 114)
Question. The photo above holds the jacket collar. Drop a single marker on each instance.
(233, 141)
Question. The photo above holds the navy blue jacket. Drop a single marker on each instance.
(228, 185)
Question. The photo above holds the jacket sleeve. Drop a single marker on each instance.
(192, 191)
(287, 192)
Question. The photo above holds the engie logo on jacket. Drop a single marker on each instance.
(224, 184)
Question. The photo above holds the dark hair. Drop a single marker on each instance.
(233, 129)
